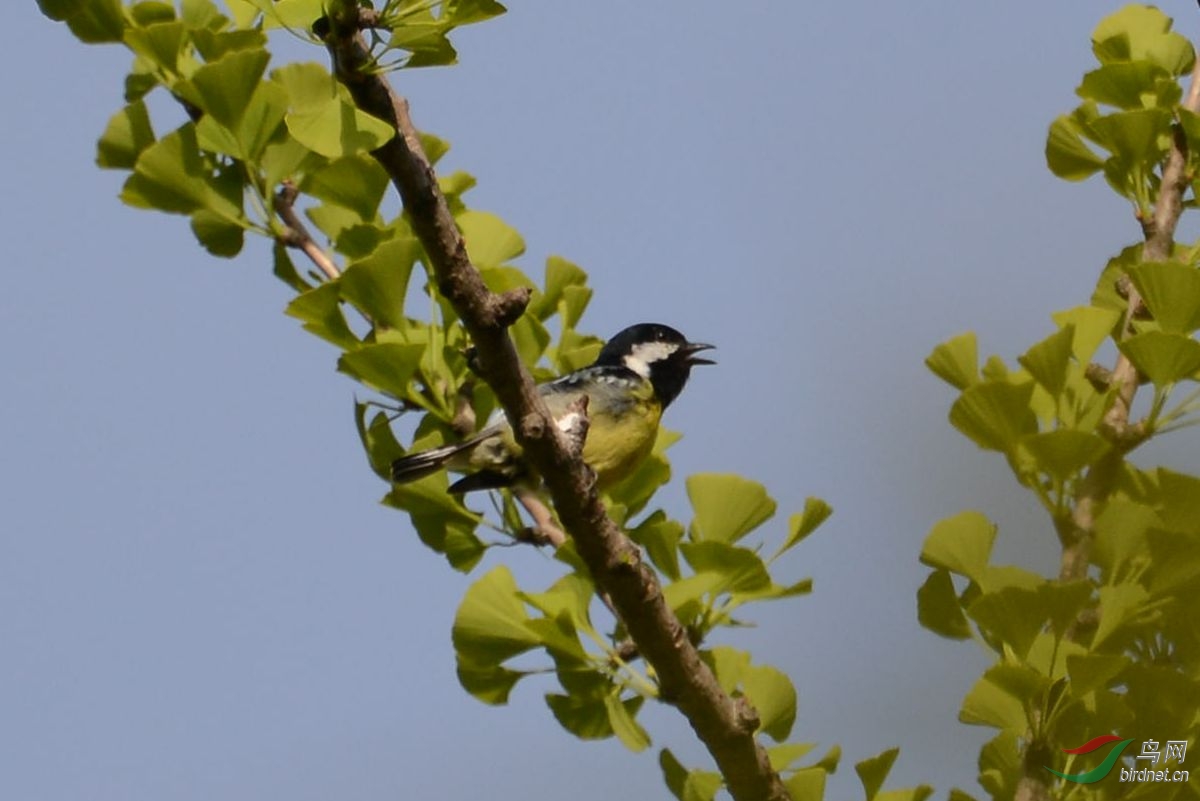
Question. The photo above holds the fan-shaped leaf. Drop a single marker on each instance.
(1164, 358)
(956, 361)
(489, 626)
(1091, 324)
(727, 507)
(938, 607)
(1066, 154)
(1172, 293)
(1064, 453)
(995, 414)
(1049, 360)
(961, 544)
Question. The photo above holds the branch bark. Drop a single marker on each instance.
(296, 233)
(725, 726)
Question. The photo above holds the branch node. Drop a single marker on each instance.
(747, 716)
(532, 535)
(369, 18)
(533, 426)
(626, 651)
(1098, 376)
(505, 309)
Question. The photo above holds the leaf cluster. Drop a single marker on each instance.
(708, 571)
(1109, 645)
(1131, 105)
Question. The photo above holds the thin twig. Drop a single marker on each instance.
(725, 726)
(296, 235)
(543, 519)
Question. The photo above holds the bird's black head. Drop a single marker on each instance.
(655, 352)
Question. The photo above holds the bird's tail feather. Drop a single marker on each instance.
(416, 466)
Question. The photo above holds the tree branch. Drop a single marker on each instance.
(725, 727)
(296, 234)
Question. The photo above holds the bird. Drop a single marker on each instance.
(636, 376)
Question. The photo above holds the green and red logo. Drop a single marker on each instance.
(1100, 771)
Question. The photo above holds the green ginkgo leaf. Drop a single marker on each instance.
(938, 607)
(223, 88)
(740, 569)
(1172, 293)
(807, 783)
(491, 242)
(801, 524)
(1014, 615)
(961, 544)
(990, 703)
(336, 129)
(1091, 326)
(1136, 137)
(1142, 33)
(160, 43)
(489, 683)
(1122, 84)
(386, 366)
(621, 717)
(378, 283)
(127, 135)
(92, 21)
(1067, 155)
(873, 772)
(774, 698)
(1064, 453)
(354, 182)
(320, 311)
(218, 234)
(1164, 358)
(1049, 360)
(727, 507)
(169, 175)
(490, 625)
(956, 361)
(995, 414)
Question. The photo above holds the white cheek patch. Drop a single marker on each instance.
(646, 354)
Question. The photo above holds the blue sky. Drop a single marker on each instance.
(200, 596)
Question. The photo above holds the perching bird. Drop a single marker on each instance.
(635, 377)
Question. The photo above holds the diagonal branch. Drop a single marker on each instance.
(724, 725)
(296, 235)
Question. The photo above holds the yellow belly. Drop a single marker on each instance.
(614, 449)
(615, 445)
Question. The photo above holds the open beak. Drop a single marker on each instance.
(693, 348)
